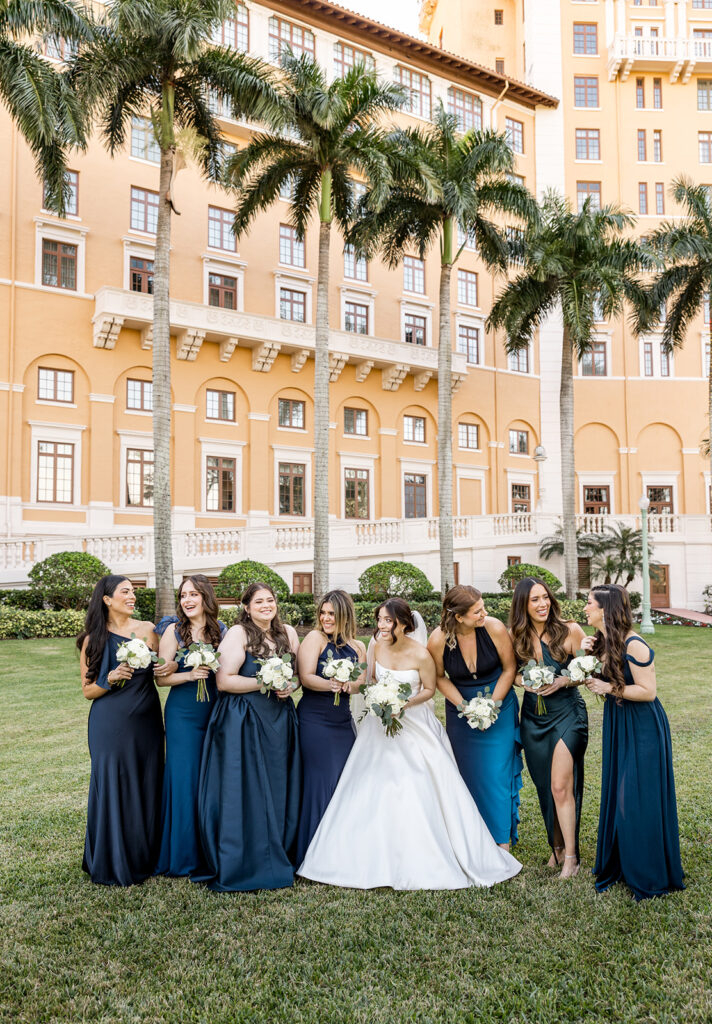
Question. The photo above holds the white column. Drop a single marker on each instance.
(670, 19)
(682, 19)
(610, 21)
(620, 18)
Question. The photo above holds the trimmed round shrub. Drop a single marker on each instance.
(67, 578)
(30, 600)
(514, 573)
(394, 579)
(234, 580)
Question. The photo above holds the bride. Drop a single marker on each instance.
(401, 815)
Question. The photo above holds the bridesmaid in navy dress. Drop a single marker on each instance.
(638, 838)
(125, 741)
(554, 743)
(186, 719)
(473, 654)
(326, 731)
(250, 774)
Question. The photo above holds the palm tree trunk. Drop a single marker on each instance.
(321, 399)
(568, 469)
(709, 400)
(447, 572)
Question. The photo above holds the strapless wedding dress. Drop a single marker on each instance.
(402, 816)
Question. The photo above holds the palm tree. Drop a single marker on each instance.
(157, 57)
(319, 135)
(570, 262)
(620, 553)
(444, 181)
(587, 544)
(45, 109)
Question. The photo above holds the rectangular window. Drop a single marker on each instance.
(642, 147)
(468, 239)
(418, 90)
(291, 413)
(55, 472)
(660, 500)
(220, 233)
(414, 428)
(413, 275)
(596, 501)
(291, 249)
(588, 144)
(514, 134)
(657, 146)
(702, 5)
(499, 65)
(468, 342)
(519, 442)
(519, 361)
(659, 197)
(467, 287)
(139, 395)
(642, 197)
(521, 498)
(55, 385)
(356, 494)
(355, 267)
(356, 422)
(222, 291)
(219, 484)
(291, 488)
(664, 362)
(71, 206)
(466, 108)
(585, 91)
(144, 210)
(139, 477)
(141, 275)
(302, 583)
(499, 17)
(647, 359)
(143, 140)
(640, 93)
(59, 48)
(414, 329)
(292, 305)
(415, 498)
(593, 363)
(234, 32)
(468, 435)
(590, 190)
(658, 93)
(705, 147)
(346, 58)
(355, 318)
(585, 38)
(59, 265)
(704, 93)
(285, 35)
(219, 405)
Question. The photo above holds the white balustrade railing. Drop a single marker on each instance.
(593, 522)
(18, 554)
(384, 531)
(293, 538)
(122, 549)
(212, 543)
(513, 522)
(662, 522)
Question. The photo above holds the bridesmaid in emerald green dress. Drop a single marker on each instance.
(555, 742)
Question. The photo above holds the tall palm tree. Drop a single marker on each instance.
(319, 135)
(622, 548)
(444, 181)
(587, 544)
(571, 262)
(46, 111)
(157, 57)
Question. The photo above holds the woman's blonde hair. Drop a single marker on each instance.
(457, 601)
(344, 617)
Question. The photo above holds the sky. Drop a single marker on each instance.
(401, 14)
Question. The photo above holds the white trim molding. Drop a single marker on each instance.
(59, 433)
(227, 266)
(347, 460)
(598, 480)
(293, 453)
(69, 234)
(223, 449)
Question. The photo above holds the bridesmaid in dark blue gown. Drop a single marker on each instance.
(125, 742)
(638, 838)
(326, 731)
(186, 719)
(250, 775)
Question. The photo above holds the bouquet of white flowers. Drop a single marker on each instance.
(197, 654)
(583, 667)
(385, 699)
(480, 712)
(136, 653)
(536, 675)
(343, 670)
(276, 673)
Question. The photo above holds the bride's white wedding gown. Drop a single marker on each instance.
(402, 816)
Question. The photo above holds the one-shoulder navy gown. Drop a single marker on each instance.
(326, 736)
(490, 761)
(249, 791)
(126, 748)
(638, 838)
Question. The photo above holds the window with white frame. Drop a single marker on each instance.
(291, 413)
(356, 494)
(234, 32)
(414, 275)
(594, 362)
(468, 435)
(55, 472)
(415, 329)
(514, 134)
(346, 57)
(222, 291)
(292, 305)
(219, 405)
(143, 140)
(220, 233)
(59, 264)
(356, 317)
(139, 395)
(220, 484)
(417, 86)
(286, 35)
(356, 421)
(291, 249)
(466, 108)
(588, 144)
(355, 267)
(139, 477)
(468, 342)
(55, 385)
(71, 202)
(518, 361)
(521, 496)
(655, 361)
(144, 210)
(519, 442)
(467, 287)
(414, 429)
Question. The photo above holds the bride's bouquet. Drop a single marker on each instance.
(480, 712)
(276, 673)
(137, 654)
(343, 670)
(385, 699)
(196, 655)
(536, 675)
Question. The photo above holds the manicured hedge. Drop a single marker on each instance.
(394, 579)
(30, 600)
(20, 625)
(234, 580)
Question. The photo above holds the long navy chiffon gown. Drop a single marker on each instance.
(326, 736)
(490, 762)
(249, 791)
(638, 838)
(126, 748)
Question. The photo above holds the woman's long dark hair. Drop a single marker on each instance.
(399, 611)
(96, 623)
(609, 648)
(211, 632)
(257, 638)
(522, 630)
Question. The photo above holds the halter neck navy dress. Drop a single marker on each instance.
(249, 791)
(490, 762)
(126, 748)
(326, 736)
(638, 838)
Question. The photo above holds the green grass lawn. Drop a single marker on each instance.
(531, 950)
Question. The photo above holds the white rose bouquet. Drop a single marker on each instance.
(385, 699)
(197, 655)
(343, 670)
(137, 654)
(480, 712)
(276, 673)
(536, 675)
(583, 667)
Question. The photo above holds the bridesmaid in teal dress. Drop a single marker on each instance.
(638, 837)
(187, 711)
(554, 743)
(473, 654)
(250, 774)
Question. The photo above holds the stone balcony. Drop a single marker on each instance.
(194, 324)
(676, 56)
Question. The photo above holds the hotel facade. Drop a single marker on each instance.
(604, 99)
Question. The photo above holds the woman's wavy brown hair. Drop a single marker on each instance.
(609, 647)
(457, 601)
(211, 632)
(257, 638)
(522, 630)
(344, 617)
(399, 611)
